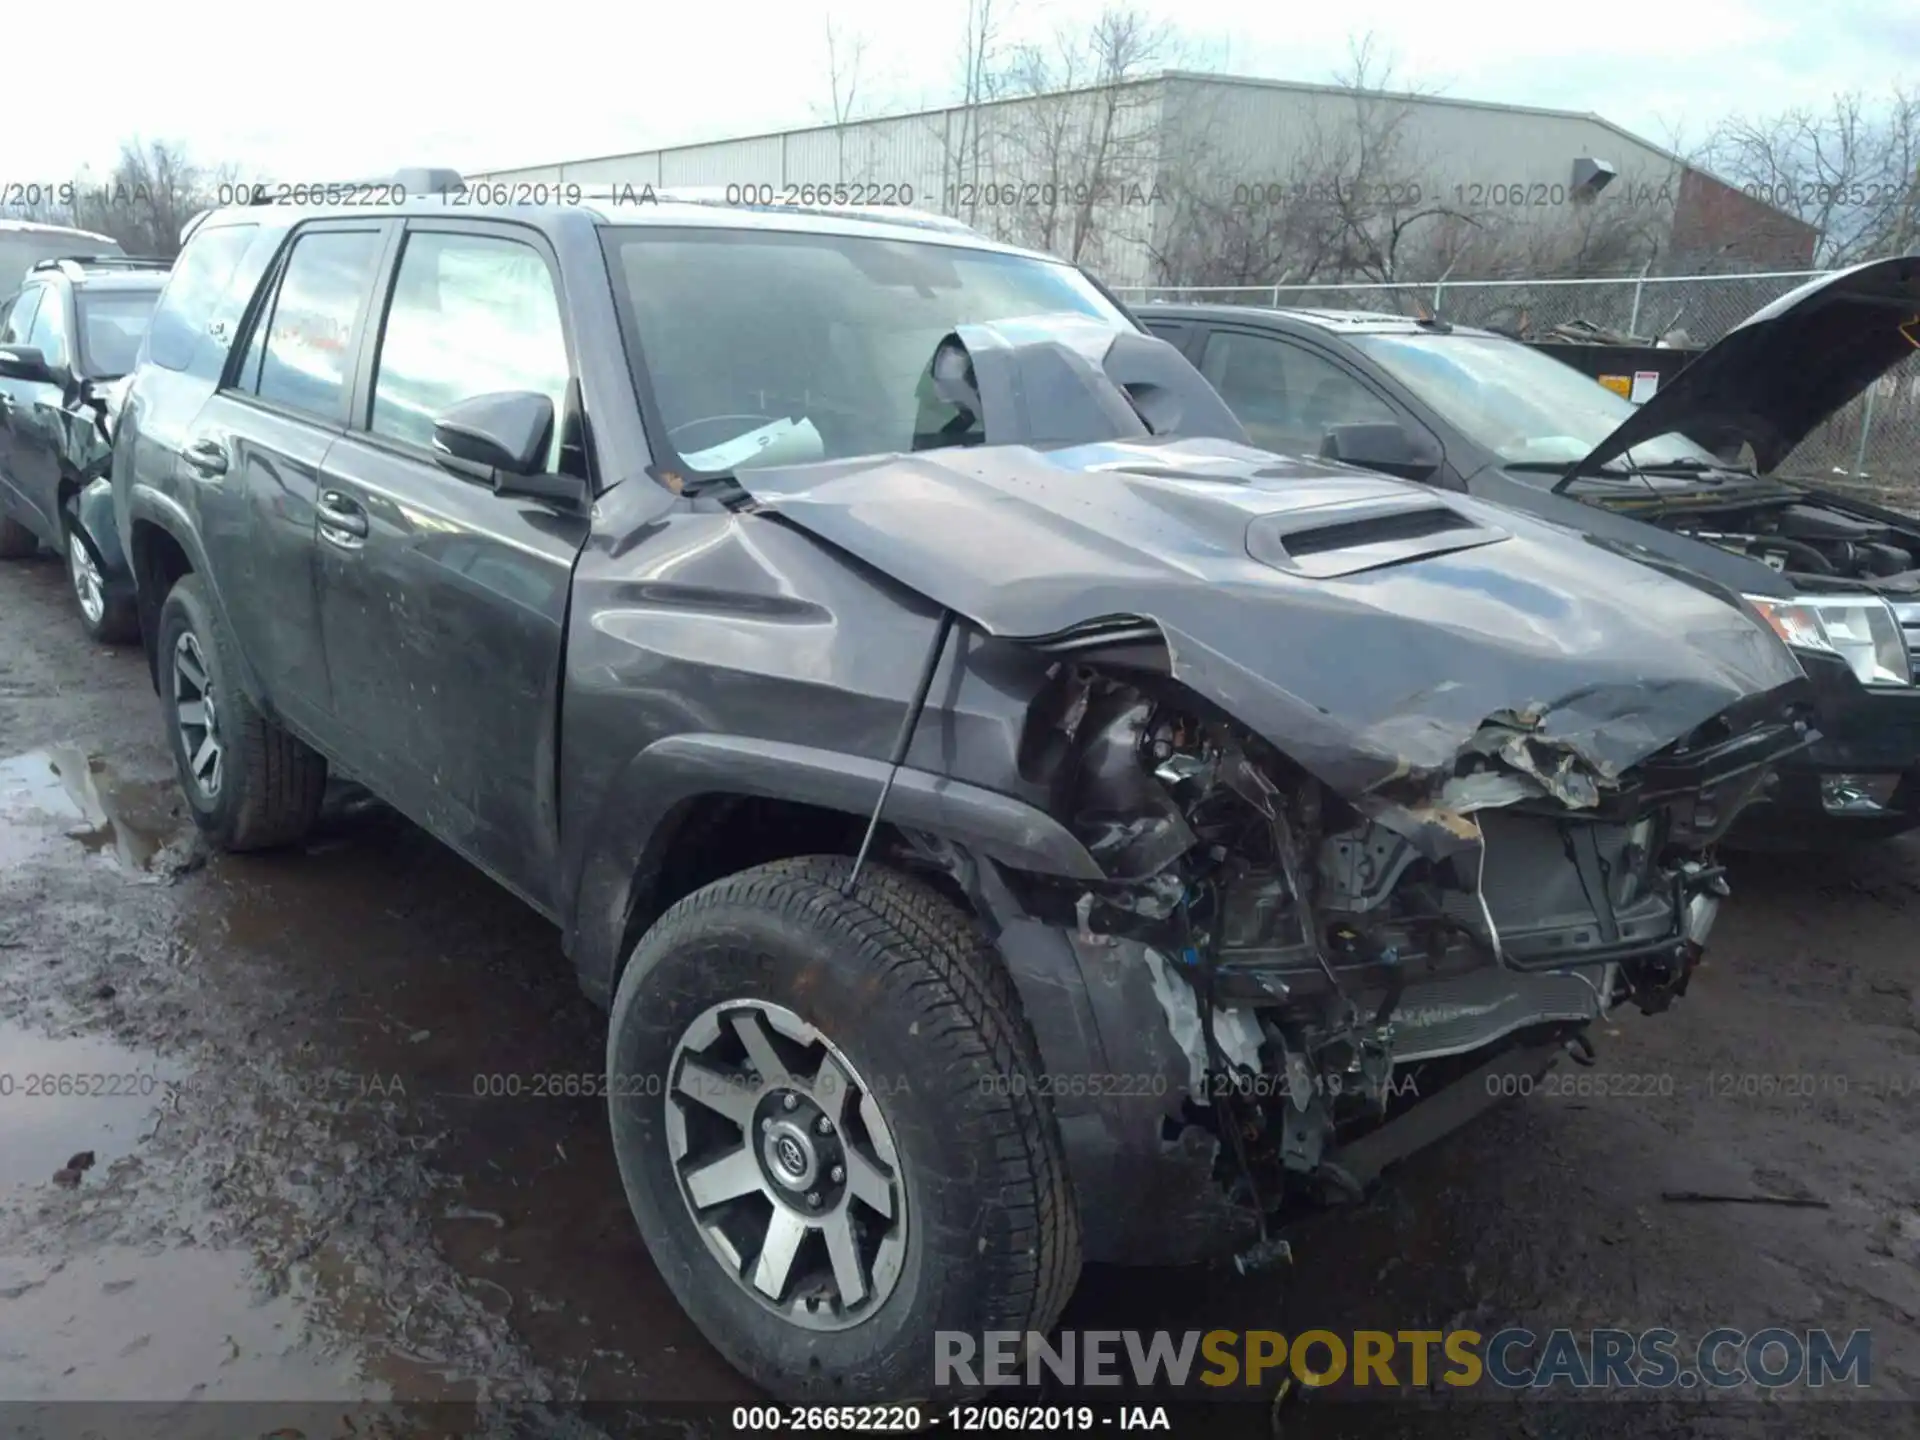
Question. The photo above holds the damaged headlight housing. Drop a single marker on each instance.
(1861, 629)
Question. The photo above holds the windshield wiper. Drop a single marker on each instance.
(725, 487)
(1613, 470)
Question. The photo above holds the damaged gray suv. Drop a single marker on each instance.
(1010, 819)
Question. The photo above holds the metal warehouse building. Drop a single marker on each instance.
(1185, 178)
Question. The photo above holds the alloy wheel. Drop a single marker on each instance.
(786, 1164)
(89, 585)
(196, 713)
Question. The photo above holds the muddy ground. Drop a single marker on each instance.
(297, 1195)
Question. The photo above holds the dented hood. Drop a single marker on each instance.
(1366, 627)
(1783, 370)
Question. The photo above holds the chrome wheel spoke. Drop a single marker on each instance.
(193, 712)
(206, 757)
(724, 1094)
(734, 1174)
(866, 1184)
(784, 1233)
(187, 666)
(760, 1052)
(831, 1087)
(845, 1255)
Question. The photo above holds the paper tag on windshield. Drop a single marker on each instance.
(784, 442)
(1645, 382)
(1621, 385)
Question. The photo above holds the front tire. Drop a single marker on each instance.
(108, 618)
(829, 1120)
(250, 784)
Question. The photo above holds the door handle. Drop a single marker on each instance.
(342, 521)
(206, 457)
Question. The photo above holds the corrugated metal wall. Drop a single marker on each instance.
(1095, 175)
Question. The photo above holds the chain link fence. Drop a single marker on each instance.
(1871, 446)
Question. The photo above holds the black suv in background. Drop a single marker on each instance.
(1690, 476)
(994, 801)
(72, 331)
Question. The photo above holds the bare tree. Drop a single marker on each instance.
(1079, 157)
(143, 201)
(844, 55)
(1349, 203)
(1851, 170)
(982, 79)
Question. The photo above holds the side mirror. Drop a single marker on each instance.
(1384, 446)
(25, 362)
(502, 440)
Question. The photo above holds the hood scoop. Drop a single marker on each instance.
(1324, 542)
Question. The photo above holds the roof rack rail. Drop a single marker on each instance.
(103, 262)
(718, 196)
(408, 182)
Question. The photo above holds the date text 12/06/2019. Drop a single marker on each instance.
(960, 1419)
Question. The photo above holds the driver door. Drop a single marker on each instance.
(442, 604)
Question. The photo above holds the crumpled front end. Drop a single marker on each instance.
(1322, 973)
(1385, 787)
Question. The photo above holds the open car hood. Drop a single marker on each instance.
(1786, 367)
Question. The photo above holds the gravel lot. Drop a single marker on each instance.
(301, 1195)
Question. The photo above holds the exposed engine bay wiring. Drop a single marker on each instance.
(1320, 950)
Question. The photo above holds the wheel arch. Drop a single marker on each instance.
(163, 545)
(652, 818)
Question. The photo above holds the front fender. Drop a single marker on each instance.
(94, 509)
(146, 505)
(636, 820)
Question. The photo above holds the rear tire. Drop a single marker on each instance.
(249, 784)
(17, 542)
(979, 1229)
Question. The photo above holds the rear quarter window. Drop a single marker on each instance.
(201, 281)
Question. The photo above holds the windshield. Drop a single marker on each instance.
(1524, 406)
(781, 348)
(112, 323)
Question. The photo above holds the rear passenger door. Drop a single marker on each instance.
(252, 456)
(443, 605)
(38, 417)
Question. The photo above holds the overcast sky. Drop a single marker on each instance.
(318, 91)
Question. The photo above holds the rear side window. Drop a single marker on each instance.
(199, 279)
(470, 315)
(306, 355)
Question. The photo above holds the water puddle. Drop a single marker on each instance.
(66, 1098)
(61, 791)
(121, 1323)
